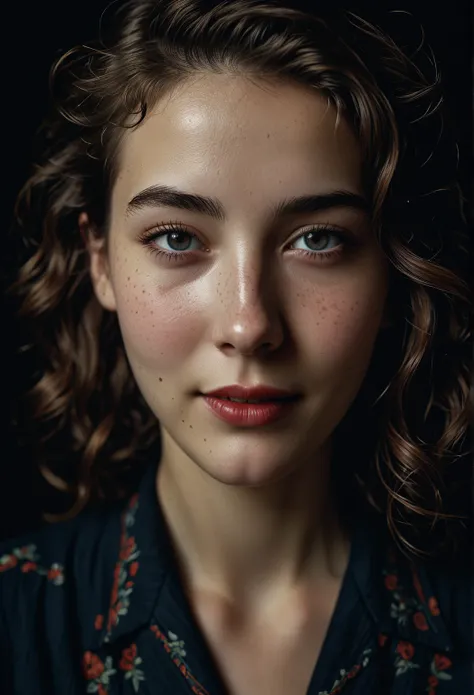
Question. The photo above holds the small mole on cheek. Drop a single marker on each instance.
(182, 420)
(190, 427)
(160, 379)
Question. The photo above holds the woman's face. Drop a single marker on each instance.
(252, 295)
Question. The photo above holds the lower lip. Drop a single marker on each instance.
(249, 414)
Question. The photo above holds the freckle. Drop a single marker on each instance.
(128, 278)
(160, 379)
(182, 420)
(205, 439)
(190, 427)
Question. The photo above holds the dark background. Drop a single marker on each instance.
(33, 35)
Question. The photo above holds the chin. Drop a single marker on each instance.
(248, 473)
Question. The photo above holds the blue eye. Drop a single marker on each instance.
(320, 240)
(319, 244)
(177, 239)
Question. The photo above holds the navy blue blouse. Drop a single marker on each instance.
(95, 605)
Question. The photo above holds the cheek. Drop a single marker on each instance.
(340, 326)
(157, 327)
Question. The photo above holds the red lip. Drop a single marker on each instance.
(261, 393)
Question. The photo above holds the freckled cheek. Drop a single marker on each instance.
(156, 328)
(338, 326)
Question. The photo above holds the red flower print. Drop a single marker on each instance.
(128, 585)
(11, 562)
(433, 606)
(133, 500)
(128, 657)
(92, 665)
(133, 569)
(433, 681)
(127, 548)
(406, 650)
(391, 581)
(54, 573)
(125, 665)
(420, 621)
(113, 617)
(382, 639)
(354, 671)
(182, 668)
(101, 690)
(417, 585)
(99, 622)
(29, 567)
(442, 662)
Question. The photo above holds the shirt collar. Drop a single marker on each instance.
(397, 594)
(139, 566)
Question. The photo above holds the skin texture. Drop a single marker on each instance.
(248, 509)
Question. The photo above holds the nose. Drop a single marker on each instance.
(248, 319)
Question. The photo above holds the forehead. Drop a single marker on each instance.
(230, 136)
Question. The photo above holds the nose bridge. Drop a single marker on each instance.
(249, 299)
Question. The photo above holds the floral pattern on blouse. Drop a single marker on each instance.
(97, 673)
(345, 676)
(27, 559)
(112, 664)
(175, 648)
(125, 569)
(421, 612)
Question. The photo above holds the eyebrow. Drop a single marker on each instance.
(171, 197)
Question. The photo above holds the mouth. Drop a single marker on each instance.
(256, 401)
(250, 412)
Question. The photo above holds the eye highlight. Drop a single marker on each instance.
(321, 243)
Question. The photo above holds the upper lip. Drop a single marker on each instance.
(261, 392)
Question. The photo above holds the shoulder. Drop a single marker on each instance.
(53, 566)
(45, 551)
(435, 599)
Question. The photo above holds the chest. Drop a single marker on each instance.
(276, 655)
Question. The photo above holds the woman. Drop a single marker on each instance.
(248, 288)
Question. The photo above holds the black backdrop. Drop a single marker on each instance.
(32, 37)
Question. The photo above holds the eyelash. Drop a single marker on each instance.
(149, 236)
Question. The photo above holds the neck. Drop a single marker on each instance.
(242, 543)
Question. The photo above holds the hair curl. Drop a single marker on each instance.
(409, 422)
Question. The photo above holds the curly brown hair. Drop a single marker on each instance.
(409, 423)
